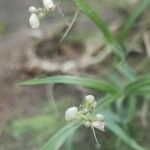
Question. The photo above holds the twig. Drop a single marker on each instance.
(98, 145)
(70, 26)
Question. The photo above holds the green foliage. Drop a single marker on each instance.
(117, 91)
(20, 127)
(60, 137)
(99, 85)
(144, 4)
(139, 84)
(91, 13)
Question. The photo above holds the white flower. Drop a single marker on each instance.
(90, 99)
(32, 9)
(99, 125)
(99, 117)
(34, 21)
(71, 113)
(48, 4)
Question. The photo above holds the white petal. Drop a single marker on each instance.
(32, 9)
(71, 113)
(48, 4)
(34, 21)
(99, 125)
(99, 117)
(90, 98)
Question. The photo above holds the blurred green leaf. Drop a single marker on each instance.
(99, 85)
(91, 13)
(141, 83)
(60, 137)
(69, 142)
(115, 79)
(37, 123)
(116, 129)
(131, 21)
(131, 109)
(127, 71)
(107, 101)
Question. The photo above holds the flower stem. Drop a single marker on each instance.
(98, 144)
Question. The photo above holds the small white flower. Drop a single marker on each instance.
(32, 9)
(71, 113)
(99, 117)
(85, 110)
(48, 4)
(99, 125)
(34, 21)
(90, 99)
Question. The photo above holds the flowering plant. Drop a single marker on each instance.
(115, 91)
(85, 115)
(38, 13)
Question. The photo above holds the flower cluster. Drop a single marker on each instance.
(38, 13)
(85, 114)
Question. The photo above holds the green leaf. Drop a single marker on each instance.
(115, 79)
(127, 71)
(69, 142)
(144, 4)
(131, 109)
(116, 129)
(99, 85)
(60, 137)
(91, 13)
(138, 85)
(106, 101)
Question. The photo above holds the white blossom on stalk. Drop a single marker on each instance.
(34, 21)
(99, 125)
(71, 113)
(99, 117)
(90, 99)
(49, 4)
(32, 9)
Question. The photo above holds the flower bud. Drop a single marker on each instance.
(99, 125)
(99, 117)
(32, 9)
(34, 21)
(90, 99)
(85, 110)
(71, 113)
(48, 4)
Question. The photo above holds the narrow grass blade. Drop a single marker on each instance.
(69, 142)
(60, 137)
(116, 129)
(127, 71)
(89, 11)
(99, 85)
(139, 84)
(131, 109)
(106, 101)
(144, 4)
(115, 79)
